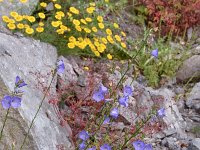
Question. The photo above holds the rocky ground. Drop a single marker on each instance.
(30, 58)
(181, 102)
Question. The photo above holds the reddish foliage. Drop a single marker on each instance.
(175, 15)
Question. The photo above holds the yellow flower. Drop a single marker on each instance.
(78, 28)
(1, 0)
(104, 40)
(124, 34)
(60, 31)
(63, 27)
(69, 14)
(87, 30)
(94, 29)
(29, 30)
(88, 19)
(71, 45)
(20, 26)
(96, 43)
(14, 14)
(23, 1)
(90, 10)
(76, 22)
(109, 56)
(83, 21)
(43, 4)
(108, 31)
(72, 39)
(39, 29)
(86, 68)
(11, 21)
(101, 25)
(123, 44)
(60, 13)
(59, 17)
(92, 4)
(57, 6)
(106, 1)
(31, 18)
(55, 23)
(19, 18)
(116, 25)
(41, 15)
(6, 19)
(117, 37)
(11, 26)
(41, 24)
(100, 18)
(110, 39)
(74, 10)
(100, 49)
(97, 53)
(26, 26)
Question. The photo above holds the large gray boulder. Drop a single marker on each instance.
(193, 100)
(29, 59)
(189, 69)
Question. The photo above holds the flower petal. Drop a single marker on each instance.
(6, 101)
(16, 102)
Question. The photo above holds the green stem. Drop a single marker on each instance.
(37, 112)
(4, 123)
(135, 133)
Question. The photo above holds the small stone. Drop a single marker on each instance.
(194, 144)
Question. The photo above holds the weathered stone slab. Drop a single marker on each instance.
(15, 127)
(24, 57)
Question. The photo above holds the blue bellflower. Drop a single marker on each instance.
(148, 147)
(114, 113)
(154, 53)
(99, 95)
(128, 90)
(9, 101)
(161, 112)
(83, 135)
(105, 147)
(103, 89)
(82, 146)
(107, 120)
(60, 67)
(139, 145)
(19, 82)
(123, 101)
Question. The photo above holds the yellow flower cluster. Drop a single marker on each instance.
(17, 21)
(90, 30)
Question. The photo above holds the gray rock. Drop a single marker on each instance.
(69, 75)
(50, 6)
(189, 69)
(193, 100)
(15, 127)
(196, 50)
(171, 144)
(26, 57)
(194, 144)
